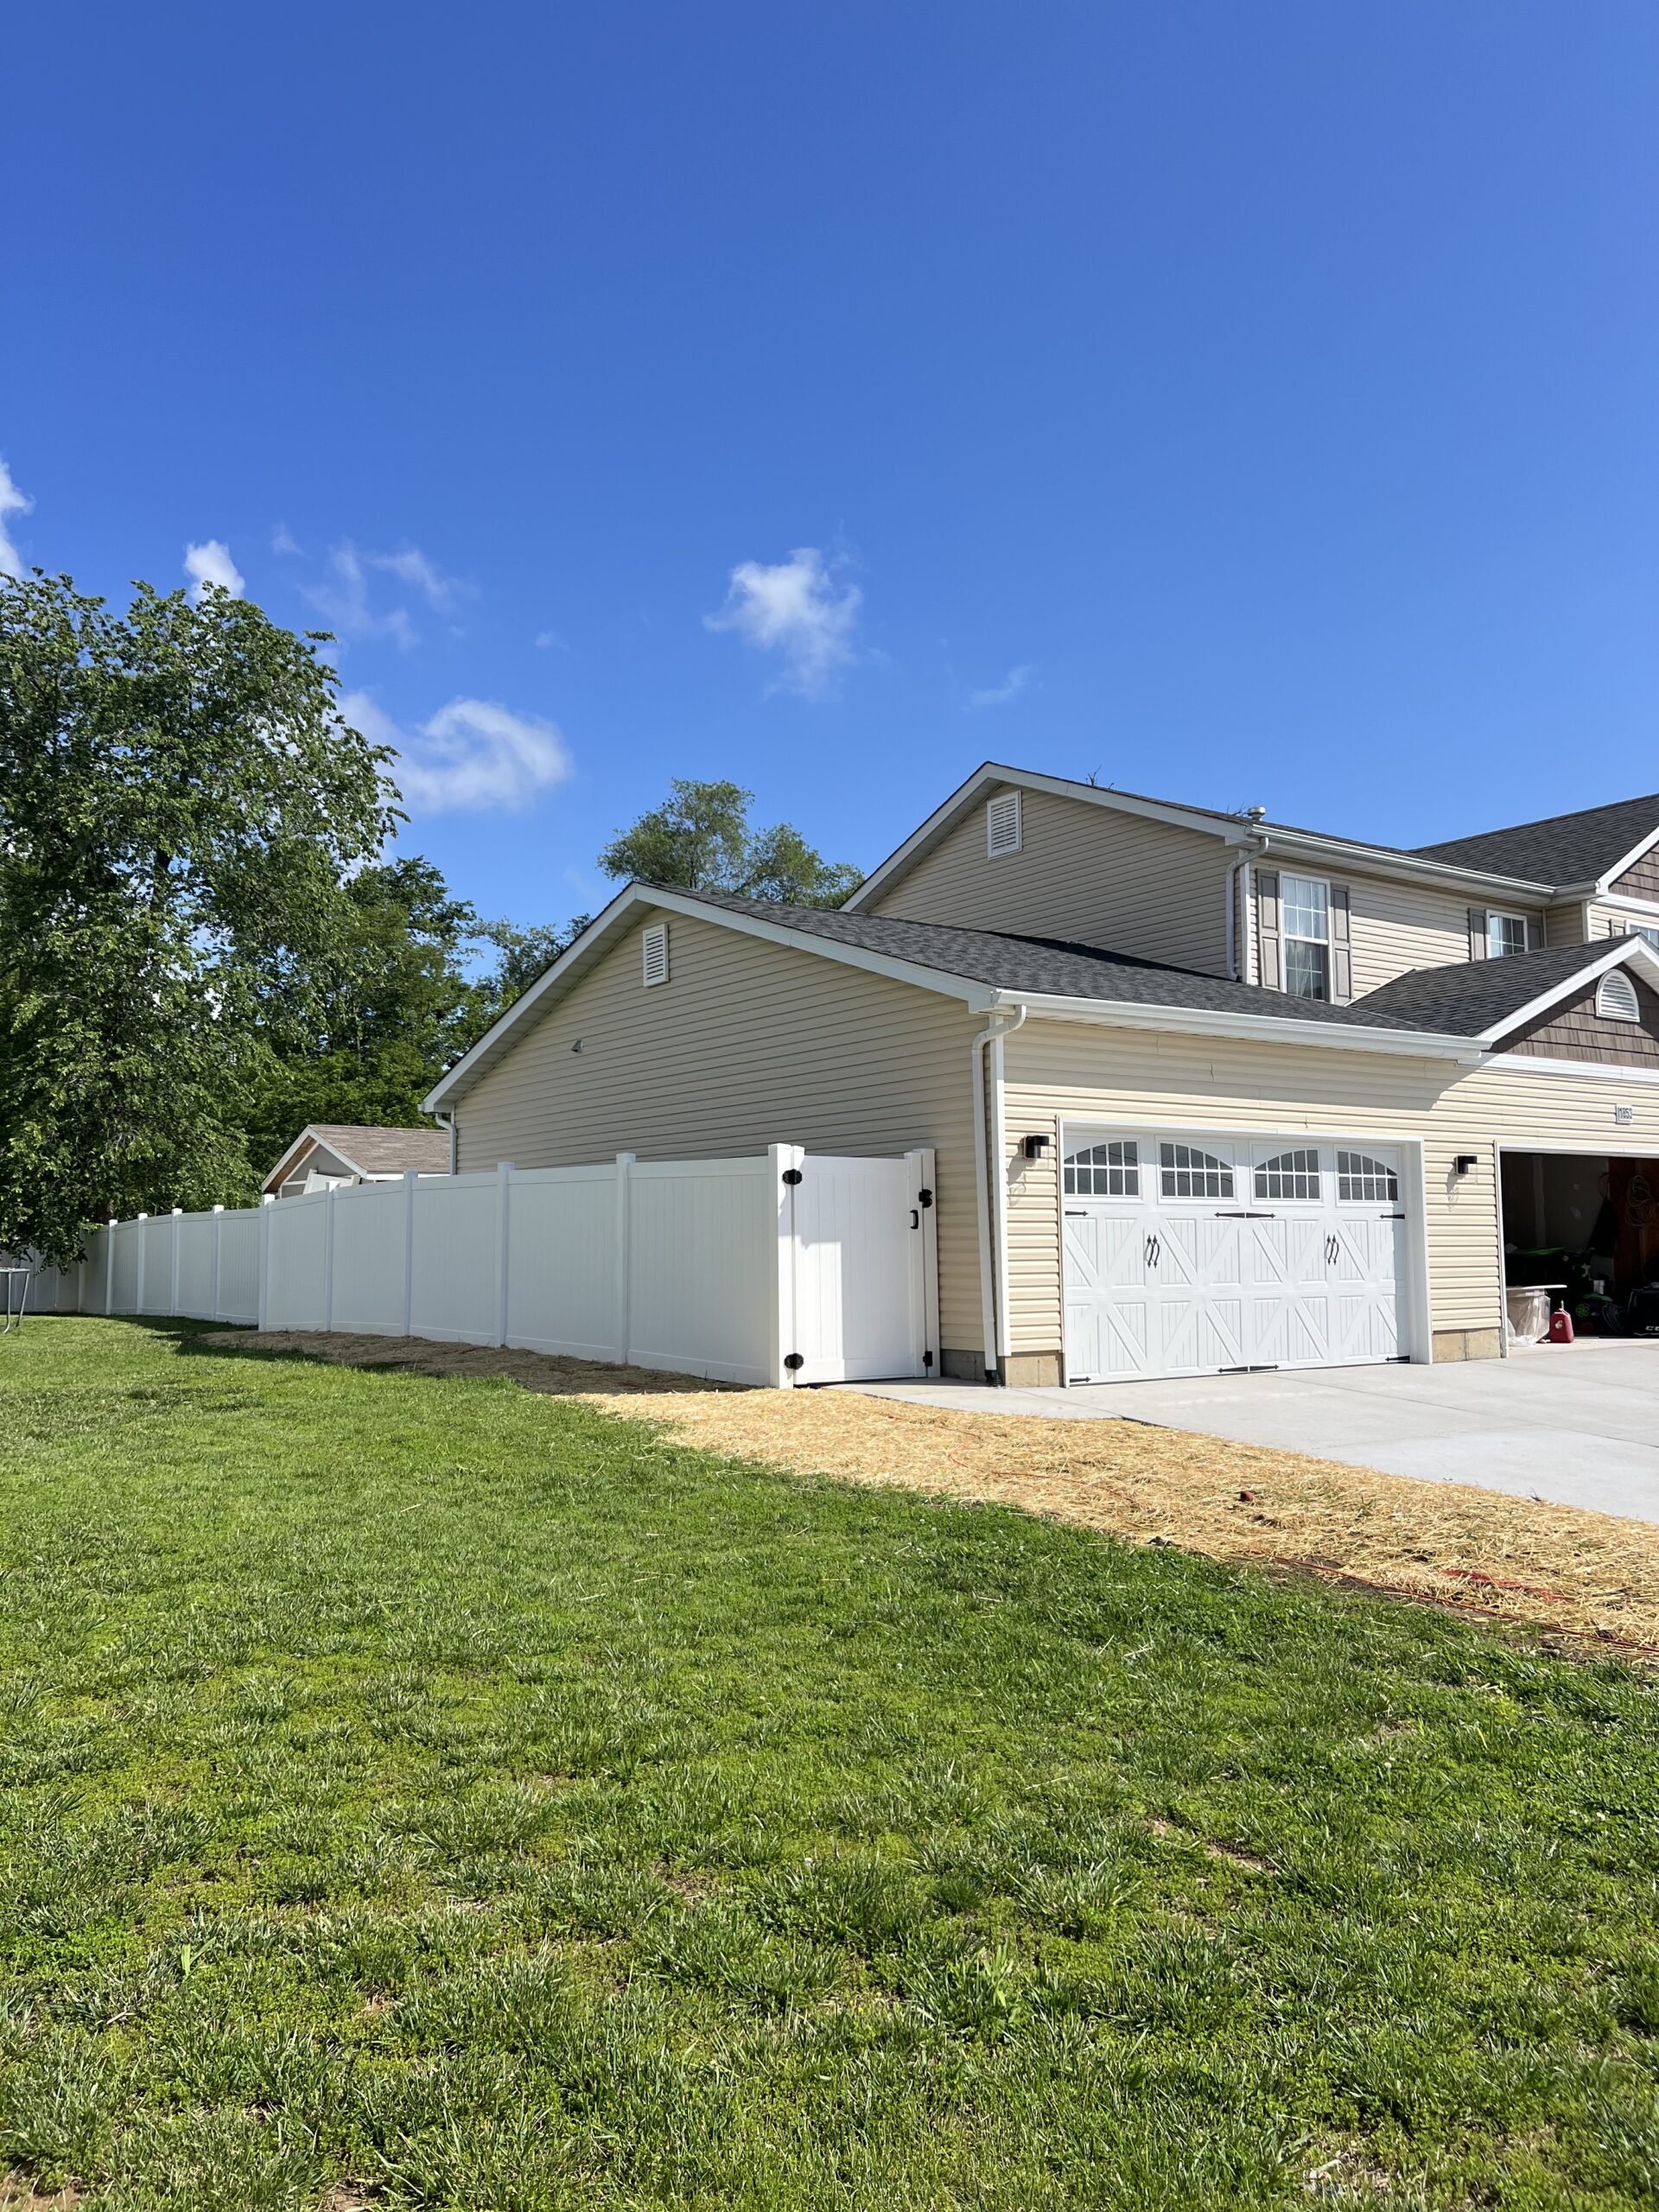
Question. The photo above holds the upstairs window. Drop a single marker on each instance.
(1104, 1171)
(1506, 935)
(1305, 905)
(1289, 1175)
(654, 942)
(1616, 999)
(1004, 828)
(1186, 1172)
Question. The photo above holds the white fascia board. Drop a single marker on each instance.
(1637, 853)
(1246, 1029)
(1621, 952)
(599, 932)
(1538, 1063)
(1342, 852)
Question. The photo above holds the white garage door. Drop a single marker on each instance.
(1194, 1254)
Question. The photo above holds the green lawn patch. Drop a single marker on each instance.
(421, 1793)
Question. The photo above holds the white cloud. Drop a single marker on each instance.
(284, 542)
(795, 609)
(12, 502)
(472, 754)
(211, 563)
(411, 566)
(341, 595)
(550, 640)
(998, 695)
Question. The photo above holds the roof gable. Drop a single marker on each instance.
(1488, 1000)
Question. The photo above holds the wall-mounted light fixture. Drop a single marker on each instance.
(1035, 1147)
(1466, 1161)
(576, 1047)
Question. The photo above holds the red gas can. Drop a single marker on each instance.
(1561, 1326)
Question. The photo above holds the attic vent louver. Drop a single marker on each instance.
(655, 941)
(1002, 825)
(1615, 1000)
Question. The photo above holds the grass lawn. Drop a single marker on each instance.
(420, 1793)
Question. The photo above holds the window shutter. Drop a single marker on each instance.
(1534, 940)
(1477, 932)
(1342, 965)
(1270, 966)
(654, 943)
(1003, 825)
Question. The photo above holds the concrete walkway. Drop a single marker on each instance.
(1578, 1426)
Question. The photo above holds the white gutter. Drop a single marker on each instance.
(1257, 1028)
(993, 1256)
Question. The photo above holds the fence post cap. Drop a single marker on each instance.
(178, 1209)
(143, 1217)
(219, 1209)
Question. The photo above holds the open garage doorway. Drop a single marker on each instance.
(1585, 1227)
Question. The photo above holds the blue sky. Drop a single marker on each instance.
(1252, 403)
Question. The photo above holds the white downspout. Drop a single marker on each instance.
(987, 1133)
(448, 1122)
(1238, 910)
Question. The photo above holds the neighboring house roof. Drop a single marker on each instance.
(1242, 829)
(370, 1151)
(1487, 998)
(1582, 848)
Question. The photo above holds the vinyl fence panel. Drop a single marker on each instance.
(563, 1275)
(777, 1269)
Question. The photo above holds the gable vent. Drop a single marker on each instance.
(655, 943)
(1616, 999)
(1002, 825)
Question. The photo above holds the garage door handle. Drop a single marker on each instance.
(1155, 1247)
(1244, 1214)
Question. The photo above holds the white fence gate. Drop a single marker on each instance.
(781, 1269)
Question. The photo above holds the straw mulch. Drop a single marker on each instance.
(1581, 1576)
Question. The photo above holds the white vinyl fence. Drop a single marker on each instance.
(779, 1269)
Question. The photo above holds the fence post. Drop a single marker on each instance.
(173, 1290)
(624, 1162)
(329, 1197)
(411, 1177)
(143, 1248)
(264, 1307)
(503, 1195)
(218, 1239)
(785, 1159)
(109, 1268)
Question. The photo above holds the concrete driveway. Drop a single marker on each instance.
(1579, 1425)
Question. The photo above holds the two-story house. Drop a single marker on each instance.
(1207, 1092)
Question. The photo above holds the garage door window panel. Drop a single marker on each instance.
(1363, 1181)
(1104, 1171)
(1186, 1172)
(1290, 1177)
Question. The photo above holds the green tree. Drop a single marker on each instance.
(182, 807)
(699, 839)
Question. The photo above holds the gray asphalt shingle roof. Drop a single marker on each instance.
(1563, 848)
(1044, 966)
(1467, 999)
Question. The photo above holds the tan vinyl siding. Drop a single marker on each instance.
(1084, 872)
(747, 1044)
(1088, 1074)
(1566, 925)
